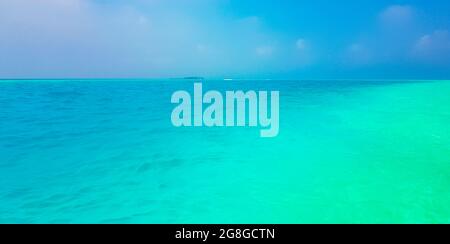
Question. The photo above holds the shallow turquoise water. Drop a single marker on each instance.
(104, 151)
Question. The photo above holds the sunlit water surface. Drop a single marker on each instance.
(105, 151)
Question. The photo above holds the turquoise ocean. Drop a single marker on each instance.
(105, 151)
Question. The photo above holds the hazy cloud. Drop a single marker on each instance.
(433, 47)
(358, 54)
(300, 44)
(397, 15)
(264, 51)
(85, 38)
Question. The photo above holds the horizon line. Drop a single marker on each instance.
(227, 79)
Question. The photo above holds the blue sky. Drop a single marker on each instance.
(225, 38)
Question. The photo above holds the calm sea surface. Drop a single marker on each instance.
(105, 151)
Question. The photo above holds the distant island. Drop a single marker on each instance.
(194, 78)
